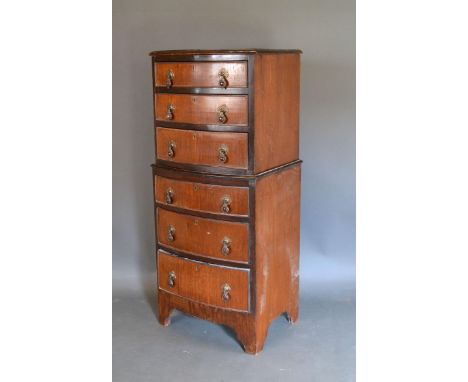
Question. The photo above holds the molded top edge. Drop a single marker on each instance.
(190, 52)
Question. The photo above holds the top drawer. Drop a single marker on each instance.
(201, 74)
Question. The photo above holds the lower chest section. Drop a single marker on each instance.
(227, 242)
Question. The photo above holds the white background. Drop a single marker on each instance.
(412, 191)
(55, 155)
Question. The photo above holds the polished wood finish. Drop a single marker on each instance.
(202, 148)
(268, 113)
(202, 109)
(259, 173)
(202, 197)
(203, 237)
(276, 265)
(277, 222)
(220, 52)
(219, 178)
(201, 74)
(204, 282)
(276, 110)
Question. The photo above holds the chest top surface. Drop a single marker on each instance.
(190, 52)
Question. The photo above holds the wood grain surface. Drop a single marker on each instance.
(201, 74)
(204, 282)
(277, 227)
(276, 115)
(202, 148)
(261, 176)
(203, 237)
(202, 109)
(202, 196)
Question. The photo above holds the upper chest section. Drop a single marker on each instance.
(226, 112)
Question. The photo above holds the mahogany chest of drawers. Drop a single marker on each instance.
(227, 187)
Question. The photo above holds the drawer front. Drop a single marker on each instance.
(202, 109)
(219, 286)
(203, 237)
(217, 149)
(223, 200)
(201, 74)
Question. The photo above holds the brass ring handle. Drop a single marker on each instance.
(223, 75)
(222, 114)
(226, 248)
(170, 233)
(171, 149)
(170, 112)
(169, 78)
(171, 277)
(223, 82)
(226, 205)
(222, 117)
(225, 292)
(222, 154)
(169, 196)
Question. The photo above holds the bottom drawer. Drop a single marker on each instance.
(216, 285)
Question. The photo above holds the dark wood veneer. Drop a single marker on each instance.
(204, 214)
(202, 127)
(220, 52)
(192, 90)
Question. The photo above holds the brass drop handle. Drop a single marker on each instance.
(226, 205)
(222, 114)
(171, 279)
(222, 154)
(170, 233)
(226, 248)
(225, 292)
(170, 112)
(171, 149)
(169, 196)
(169, 78)
(223, 75)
